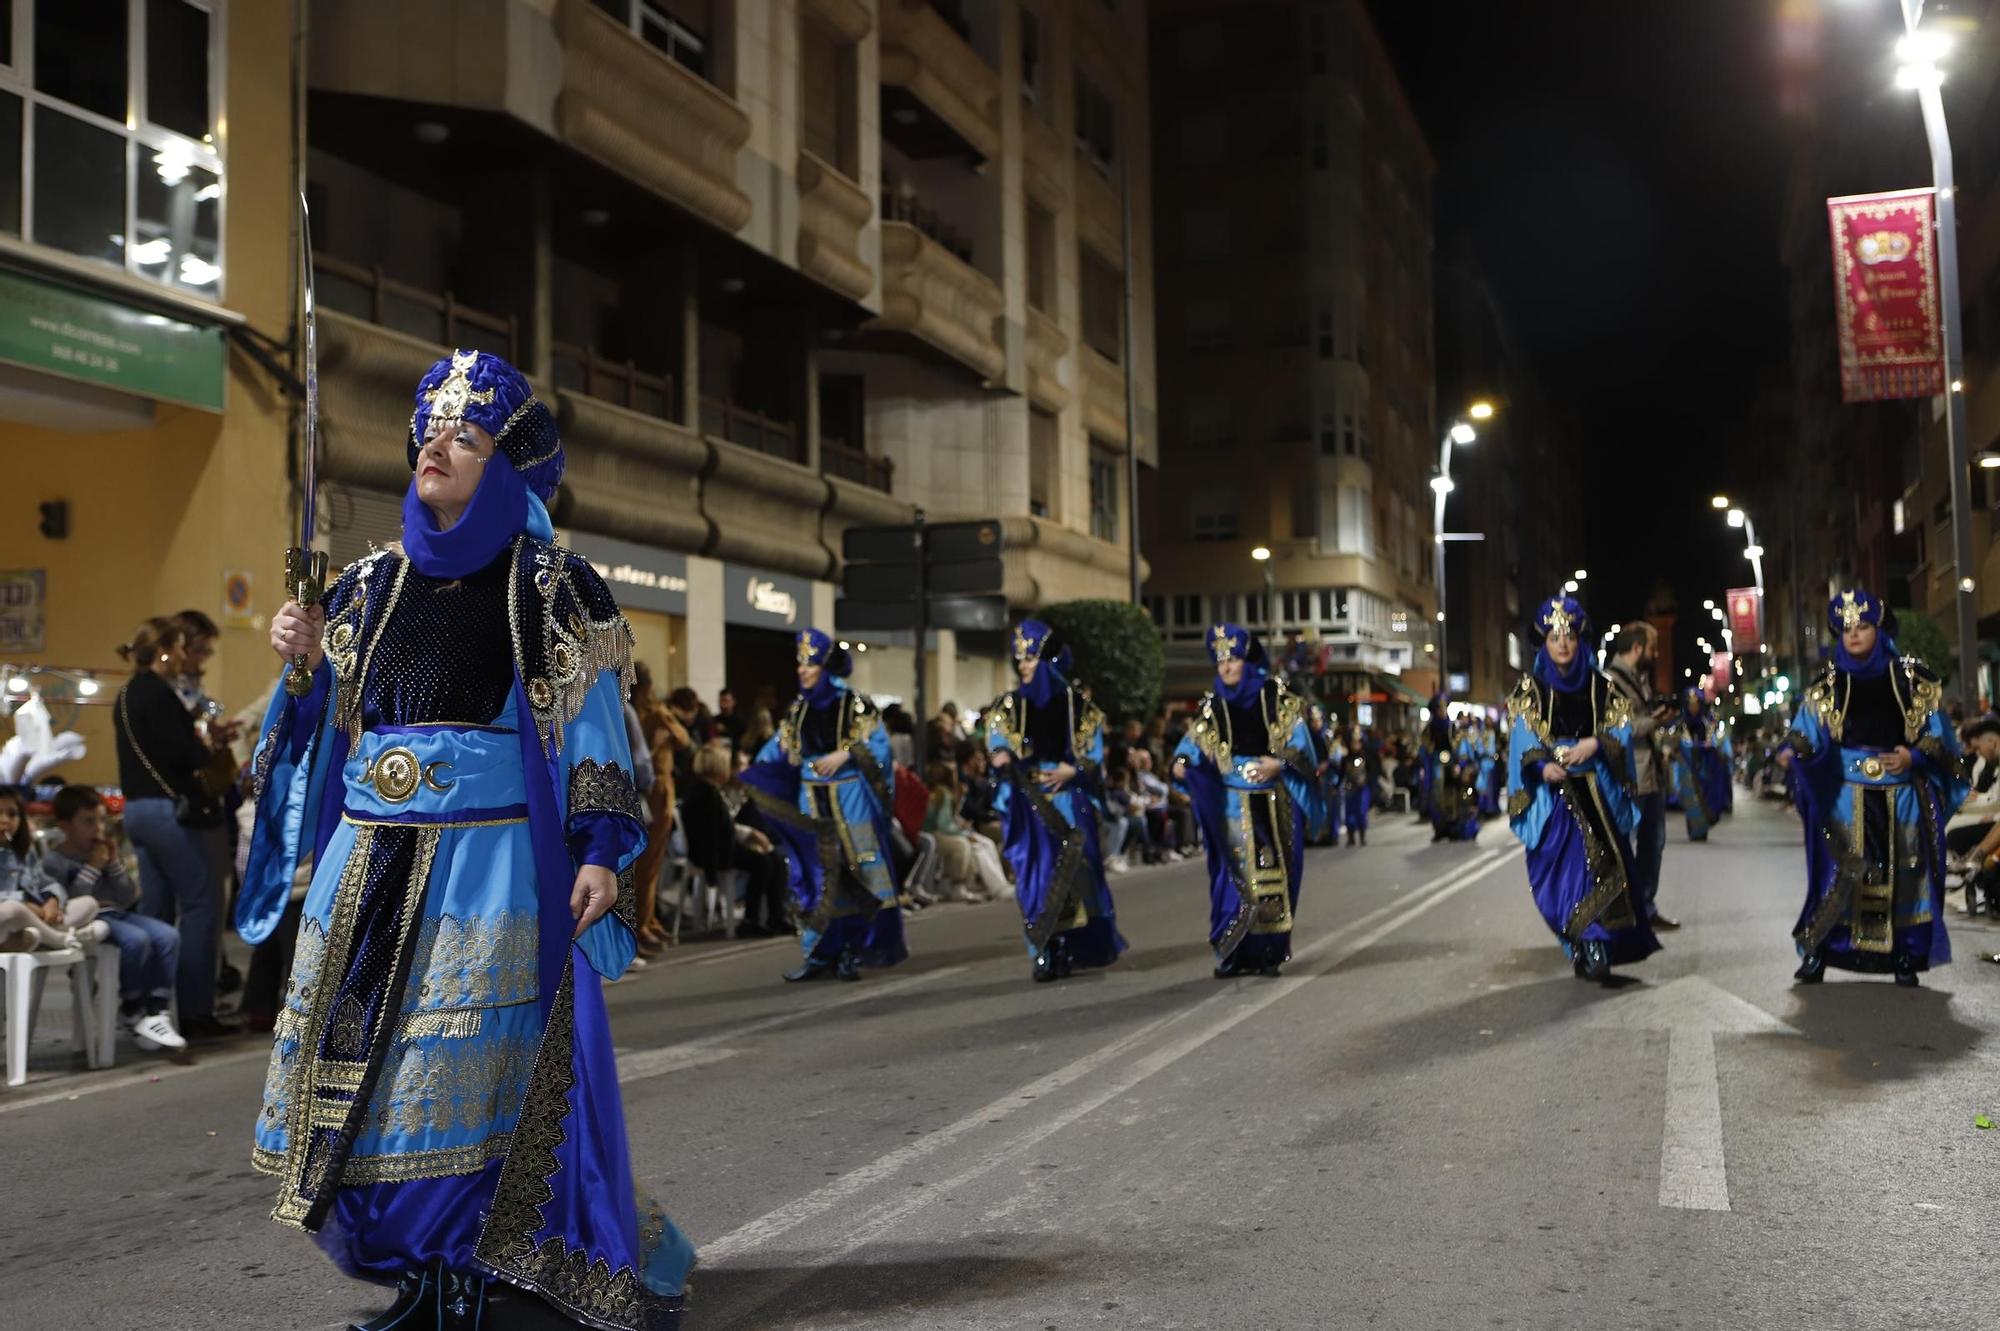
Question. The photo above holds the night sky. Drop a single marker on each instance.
(1618, 170)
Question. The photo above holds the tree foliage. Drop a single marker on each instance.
(1918, 635)
(1117, 653)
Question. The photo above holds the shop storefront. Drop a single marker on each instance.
(652, 589)
(762, 613)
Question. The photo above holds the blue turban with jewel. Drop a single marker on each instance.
(1850, 609)
(1034, 639)
(1233, 642)
(815, 648)
(482, 389)
(1563, 616)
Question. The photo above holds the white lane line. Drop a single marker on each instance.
(761, 1231)
(138, 1075)
(643, 1063)
(1693, 1174)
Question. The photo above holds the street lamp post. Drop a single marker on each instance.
(1919, 53)
(1262, 554)
(1460, 433)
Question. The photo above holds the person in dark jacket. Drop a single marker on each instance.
(717, 843)
(160, 761)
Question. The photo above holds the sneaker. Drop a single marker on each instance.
(90, 934)
(638, 963)
(156, 1030)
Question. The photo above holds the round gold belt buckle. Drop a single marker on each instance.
(1872, 768)
(396, 775)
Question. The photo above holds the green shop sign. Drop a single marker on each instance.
(79, 336)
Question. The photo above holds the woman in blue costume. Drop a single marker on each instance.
(1687, 793)
(1878, 775)
(1707, 765)
(1357, 786)
(1457, 817)
(822, 788)
(1046, 741)
(442, 1108)
(1246, 762)
(1489, 770)
(1569, 782)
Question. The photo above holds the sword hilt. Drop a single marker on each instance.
(305, 583)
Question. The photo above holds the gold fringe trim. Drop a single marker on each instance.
(450, 1023)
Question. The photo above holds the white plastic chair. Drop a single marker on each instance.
(93, 1026)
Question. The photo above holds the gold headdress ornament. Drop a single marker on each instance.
(449, 399)
(1023, 646)
(1852, 612)
(1561, 622)
(1221, 645)
(806, 648)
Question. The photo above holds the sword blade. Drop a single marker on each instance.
(309, 505)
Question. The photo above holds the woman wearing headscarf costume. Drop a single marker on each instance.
(1359, 765)
(821, 788)
(460, 776)
(1246, 762)
(1569, 784)
(1879, 774)
(1046, 740)
(1707, 768)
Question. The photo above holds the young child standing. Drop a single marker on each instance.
(35, 912)
(87, 861)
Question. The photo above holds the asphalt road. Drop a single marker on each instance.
(1428, 1122)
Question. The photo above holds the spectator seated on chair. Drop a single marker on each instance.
(36, 912)
(968, 863)
(717, 843)
(87, 864)
(975, 779)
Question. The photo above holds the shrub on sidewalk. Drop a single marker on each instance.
(1118, 653)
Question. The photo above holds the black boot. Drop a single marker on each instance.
(461, 1302)
(1906, 972)
(1045, 964)
(1227, 970)
(1812, 970)
(1063, 964)
(1596, 960)
(815, 968)
(415, 1305)
(848, 967)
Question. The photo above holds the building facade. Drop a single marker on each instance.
(786, 266)
(147, 169)
(1296, 347)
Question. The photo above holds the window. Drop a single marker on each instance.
(1208, 421)
(1031, 58)
(1187, 612)
(1209, 526)
(125, 169)
(1096, 124)
(1204, 138)
(1044, 478)
(828, 100)
(1325, 338)
(1211, 326)
(1103, 305)
(1205, 233)
(1156, 609)
(1212, 514)
(1329, 435)
(1042, 260)
(1357, 521)
(1103, 493)
(679, 28)
(1305, 521)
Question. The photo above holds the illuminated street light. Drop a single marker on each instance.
(1442, 484)
(1753, 552)
(1719, 503)
(1989, 461)
(1480, 411)
(1261, 553)
(1462, 433)
(1581, 574)
(1570, 586)
(1708, 605)
(1736, 517)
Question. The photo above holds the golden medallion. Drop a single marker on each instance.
(396, 774)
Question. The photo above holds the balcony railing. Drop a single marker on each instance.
(839, 458)
(435, 316)
(619, 382)
(752, 429)
(903, 205)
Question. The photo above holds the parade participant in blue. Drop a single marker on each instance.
(1331, 751)
(1487, 753)
(1879, 774)
(1457, 795)
(1246, 762)
(1434, 751)
(1687, 793)
(442, 1107)
(821, 787)
(1046, 740)
(1358, 769)
(1318, 825)
(1706, 763)
(1569, 781)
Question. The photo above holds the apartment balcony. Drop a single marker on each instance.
(939, 97)
(1100, 214)
(621, 97)
(1047, 345)
(1045, 161)
(1046, 563)
(832, 212)
(842, 459)
(940, 299)
(1103, 396)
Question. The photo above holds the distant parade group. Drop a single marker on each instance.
(456, 774)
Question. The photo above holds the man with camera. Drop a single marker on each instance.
(1630, 673)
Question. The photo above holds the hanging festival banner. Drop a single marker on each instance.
(1885, 295)
(1746, 617)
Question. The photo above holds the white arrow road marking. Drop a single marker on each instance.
(1693, 1173)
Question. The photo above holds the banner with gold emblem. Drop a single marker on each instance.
(1885, 295)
